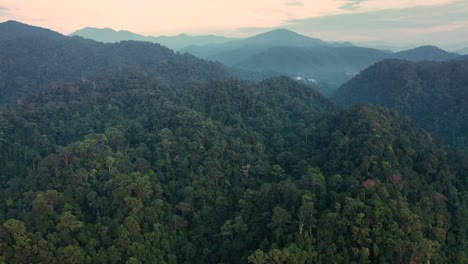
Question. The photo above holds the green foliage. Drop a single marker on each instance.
(433, 94)
(125, 168)
(32, 57)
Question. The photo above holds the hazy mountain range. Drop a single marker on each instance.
(382, 45)
(109, 35)
(463, 51)
(237, 50)
(327, 64)
(45, 56)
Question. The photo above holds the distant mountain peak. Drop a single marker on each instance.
(426, 52)
(280, 32)
(13, 28)
(428, 47)
(12, 22)
(106, 29)
(96, 30)
(177, 42)
(283, 37)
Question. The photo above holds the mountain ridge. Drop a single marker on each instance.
(427, 52)
(13, 29)
(329, 66)
(463, 51)
(433, 94)
(109, 35)
(307, 58)
(46, 56)
(272, 38)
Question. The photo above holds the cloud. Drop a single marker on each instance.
(414, 17)
(352, 4)
(295, 3)
(4, 10)
(437, 24)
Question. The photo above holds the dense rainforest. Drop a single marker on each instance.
(433, 94)
(133, 166)
(31, 57)
(125, 169)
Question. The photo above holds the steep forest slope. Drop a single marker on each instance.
(31, 57)
(123, 168)
(434, 94)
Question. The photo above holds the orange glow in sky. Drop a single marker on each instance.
(170, 17)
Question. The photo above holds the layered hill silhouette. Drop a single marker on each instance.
(332, 65)
(32, 56)
(463, 51)
(434, 94)
(109, 35)
(131, 153)
(424, 53)
(328, 63)
(325, 64)
(234, 51)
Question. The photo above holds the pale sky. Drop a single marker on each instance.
(397, 21)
